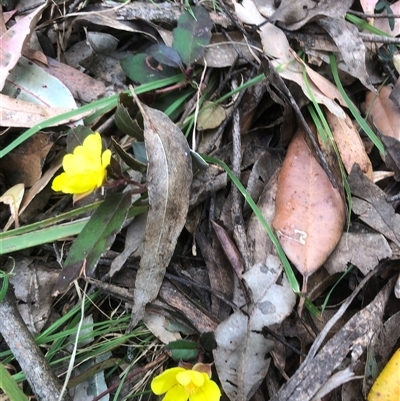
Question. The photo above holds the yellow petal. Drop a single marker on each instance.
(166, 380)
(208, 392)
(85, 169)
(59, 182)
(387, 385)
(106, 158)
(190, 376)
(176, 393)
(93, 142)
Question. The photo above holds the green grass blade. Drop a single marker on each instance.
(364, 25)
(10, 387)
(353, 109)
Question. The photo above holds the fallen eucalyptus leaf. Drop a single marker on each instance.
(169, 177)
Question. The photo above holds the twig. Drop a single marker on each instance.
(239, 232)
(363, 15)
(37, 370)
(369, 37)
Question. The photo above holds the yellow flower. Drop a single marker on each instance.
(182, 384)
(85, 168)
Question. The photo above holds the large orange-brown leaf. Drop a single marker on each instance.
(310, 213)
(383, 112)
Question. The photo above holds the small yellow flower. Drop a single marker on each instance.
(182, 384)
(84, 169)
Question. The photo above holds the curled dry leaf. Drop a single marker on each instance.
(349, 143)
(310, 213)
(383, 112)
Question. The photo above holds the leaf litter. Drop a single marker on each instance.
(181, 267)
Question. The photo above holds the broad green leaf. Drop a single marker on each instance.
(143, 68)
(191, 35)
(165, 55)
(183, 350)
(10, 387)
(96, 237)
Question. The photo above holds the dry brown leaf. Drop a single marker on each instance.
(25, 163)
(169, 178)
(383, 112)
(19, 113)
(310, 213)
(349, 143)
(295, 14)
(82, 86)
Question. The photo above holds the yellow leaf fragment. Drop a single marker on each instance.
(13, 198)
(387, 385)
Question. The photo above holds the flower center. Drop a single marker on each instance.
(191, 388)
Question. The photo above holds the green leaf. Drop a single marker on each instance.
(143, 68)
(165, 55)
(183, 350)
(123, 120)
(129, 159)
(191, 35)
(3, 284)
(95, 238)
(10, 387)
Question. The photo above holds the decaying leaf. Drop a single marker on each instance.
(371, 206)
(295, 14)
(392, 155)
(350, 45)
(32, 286)
(310, 213)
(169, 177)
(223, 52)
(361, 249)
(276, 45)
(240, 356)
(349, 143)
(352, 339)
(383, 113)
(211, 116)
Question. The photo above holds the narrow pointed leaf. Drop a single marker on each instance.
(169, 177)
(95, 238)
